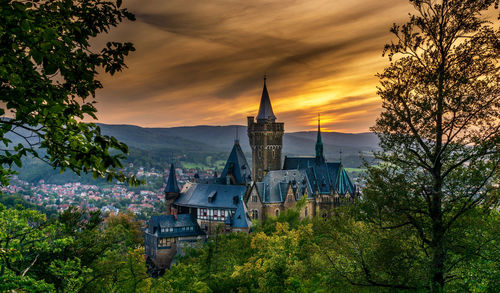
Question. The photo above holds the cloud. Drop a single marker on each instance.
(202, 62)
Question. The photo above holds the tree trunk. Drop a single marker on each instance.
(438, 258)
(437, 243)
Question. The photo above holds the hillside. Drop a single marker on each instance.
(208, 147)
(213, 138)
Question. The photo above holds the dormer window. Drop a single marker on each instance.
(211, 196)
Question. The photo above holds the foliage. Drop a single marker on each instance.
(182, 278)
(82, 252)
(75, 252)
(440, 135)
(48, 81)
(282, 262)
(25, 235)
(364, 255)
(213, 262)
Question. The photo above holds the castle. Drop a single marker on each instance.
(239, 195)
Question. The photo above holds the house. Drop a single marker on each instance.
(210, 204)
(166, 235)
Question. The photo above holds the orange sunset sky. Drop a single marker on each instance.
(201, 62)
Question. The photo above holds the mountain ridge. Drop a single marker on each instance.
(222, 137)
(208, 147)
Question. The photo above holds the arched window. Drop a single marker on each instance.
(255, 215)
(277, 212)
(305, 212)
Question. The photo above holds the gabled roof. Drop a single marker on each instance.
(156, 223)
(172, 186)
(241, 218)
(236, 166)
(265, 110)
(322, 175)
(274, 186)
(345, 185)
(322, 179)
(298, 163)
(223, 196)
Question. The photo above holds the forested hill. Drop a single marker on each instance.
(221, 138)
(206, 147)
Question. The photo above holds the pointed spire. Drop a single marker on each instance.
(319, 142)
(236, 166)
(172, 186)
(241, 218)
(265, 110)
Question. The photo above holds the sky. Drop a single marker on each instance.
(202, 62)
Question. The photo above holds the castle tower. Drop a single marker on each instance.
(171, 191)
(266, 139)
(320, 158)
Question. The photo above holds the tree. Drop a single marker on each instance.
(48, 70)
(360, 254)
(75, 252)
(108, 248)
(284, 261)
(439, 131)
(25, 236)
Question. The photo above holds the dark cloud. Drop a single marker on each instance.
(202, 62)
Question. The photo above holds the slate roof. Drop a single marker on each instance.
(156, 223)
(241, 218)
(237, 166)
(322, 175)
(265, 109)
(274, 186)
(345, 185)
(172, 186)
(298, 162)
(223, 196)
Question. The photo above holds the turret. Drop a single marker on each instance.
(172, 190)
